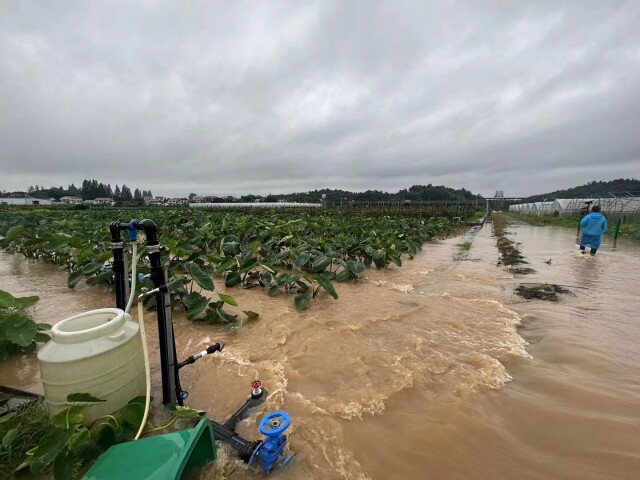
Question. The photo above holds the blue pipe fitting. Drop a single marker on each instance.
(142, 277)
(133, 230)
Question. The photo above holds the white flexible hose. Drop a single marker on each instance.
(147, 370)
(143, 338)
(133, 276)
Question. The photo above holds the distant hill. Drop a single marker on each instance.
(618, 188)
(416, 193)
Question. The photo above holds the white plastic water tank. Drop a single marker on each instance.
(97, 352)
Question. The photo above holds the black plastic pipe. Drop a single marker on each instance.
(117, 248)
(171, 389)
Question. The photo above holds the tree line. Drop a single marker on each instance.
(416, 193)
(619, 187)
(89, 190)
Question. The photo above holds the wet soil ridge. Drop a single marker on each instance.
(542, 291)
(510, 254)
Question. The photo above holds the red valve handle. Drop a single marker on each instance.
(256, 384)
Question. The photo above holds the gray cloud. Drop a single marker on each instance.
(239, 97)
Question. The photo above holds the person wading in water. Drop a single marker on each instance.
(593, 227)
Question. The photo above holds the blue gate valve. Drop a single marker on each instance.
(269, 451)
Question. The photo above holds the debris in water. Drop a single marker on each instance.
(542, 291)
(521, 270)
(548, 262)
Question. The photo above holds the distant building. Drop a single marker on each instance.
(174, 202)
(27, 200)
(71, 200)
(102, 201)
(153, 200)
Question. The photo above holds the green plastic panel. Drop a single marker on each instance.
(160, 457)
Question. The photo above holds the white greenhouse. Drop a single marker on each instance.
(24, 201)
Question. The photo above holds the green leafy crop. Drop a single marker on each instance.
(294, 252)
(18, 332)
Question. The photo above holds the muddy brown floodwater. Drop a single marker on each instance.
(434, 370)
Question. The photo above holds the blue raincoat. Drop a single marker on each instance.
(593, 227)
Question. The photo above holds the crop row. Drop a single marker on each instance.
(296, 252)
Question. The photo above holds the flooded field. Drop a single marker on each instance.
(433, 370)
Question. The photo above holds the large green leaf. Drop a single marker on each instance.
(58, 245)
(233, 279)
(7, 417)
(80, 437)
(41, 337)
(132, 413)
(11, 435)
(73, 415)
(343, 275)
(319, 264)
(379, 258)
(248, 263)
(228, 299)
(48, 449)
(86, 253)
(28, 301)
(325, 283)
(20, 332)
(91, 268)
(201, 277)
(196, 304)
(355, 267)
(302, 301)
(87, 451)
(177, 283)
(63, 467)
(14, 233)
(9, 301)
(396, 259)
(301, 261)
(107, 436)
(76, 242)
(231, 248)
(224, 315)
(268, 268)
(74, 278)
(103, 278)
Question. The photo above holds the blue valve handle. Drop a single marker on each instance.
(275, 423)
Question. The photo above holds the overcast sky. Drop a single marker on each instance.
(273, 97)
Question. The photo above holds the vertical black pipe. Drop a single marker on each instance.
(171, 389)
(117, 247)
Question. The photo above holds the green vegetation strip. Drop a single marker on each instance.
(64, 443)
(300, 253)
